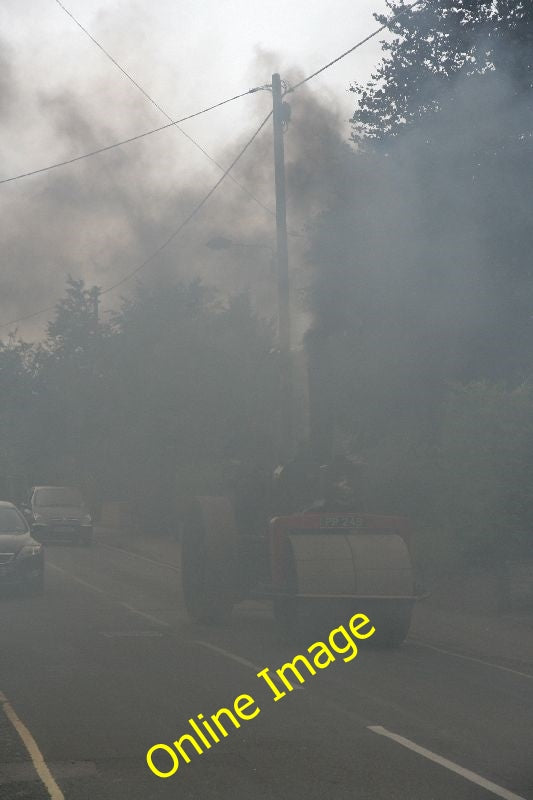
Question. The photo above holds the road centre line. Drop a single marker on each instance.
(32, 747)
(93, 588)
(473, 777)
(227, 654)
(74, 578)
(419, 643)
(239, 660)
(142, 558)
(145, 615)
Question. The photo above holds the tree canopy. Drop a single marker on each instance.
(424, 283)
(434, 46)
(178, 378)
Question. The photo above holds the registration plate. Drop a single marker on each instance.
(342, 521)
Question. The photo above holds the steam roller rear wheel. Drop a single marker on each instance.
(208, 558)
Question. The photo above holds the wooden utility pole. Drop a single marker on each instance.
(95, 297)
(280, 116)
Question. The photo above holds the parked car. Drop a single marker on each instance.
(21, 557)
(58, 513)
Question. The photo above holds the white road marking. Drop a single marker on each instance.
(473, 777)
(131, 634)
(141, 558)
(471, 658)
(145, 615)
(226, 653)
(33, 750)
(102, 591)
(74, 578)
(240, 660)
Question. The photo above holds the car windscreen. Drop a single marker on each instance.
(11, 521)
(57, 496)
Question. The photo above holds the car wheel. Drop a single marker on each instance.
(86, 539)
(36, 586)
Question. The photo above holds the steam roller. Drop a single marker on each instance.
(314, 567)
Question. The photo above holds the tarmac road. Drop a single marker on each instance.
(106, 665)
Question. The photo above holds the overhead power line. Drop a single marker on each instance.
(175, 123)
(172, 236)
(131, 139)
(28, 316)
(192, 213)
(160, 109)
(355, 47)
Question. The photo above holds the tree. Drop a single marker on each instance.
(192, 386)
(181, 378)
(74, 331)
(67, 432)
(435, 46)
(425, 275)
(424, 263)
(17, 381)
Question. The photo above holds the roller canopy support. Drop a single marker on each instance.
(208, 559)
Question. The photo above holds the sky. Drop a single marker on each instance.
(60, 97)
